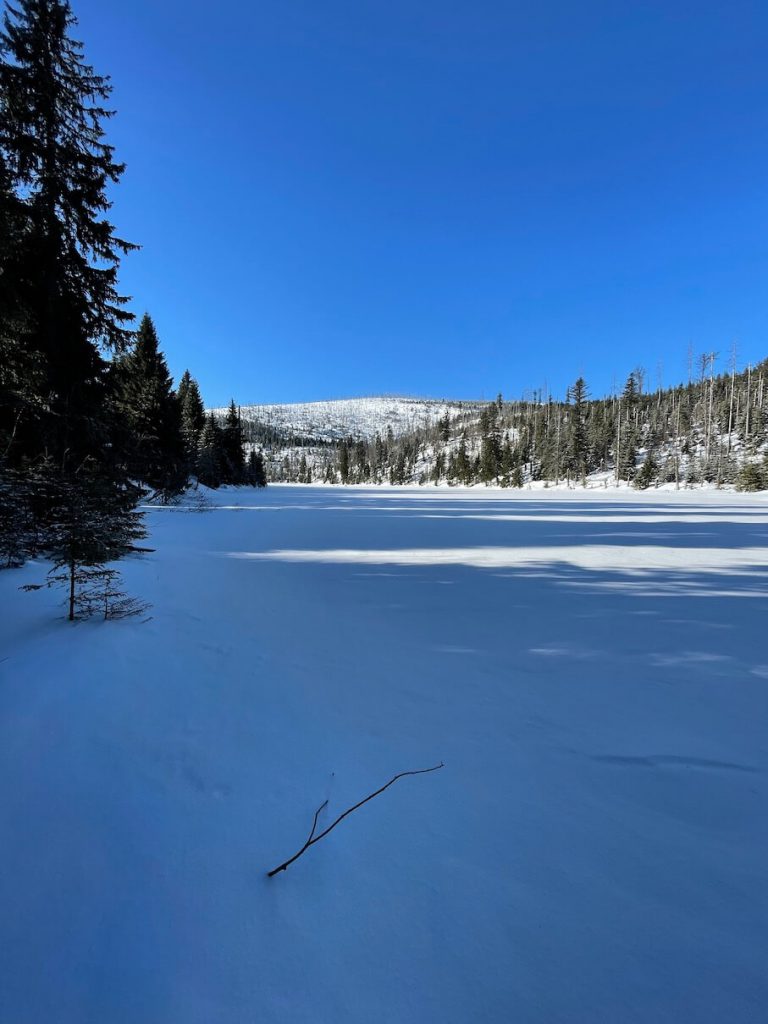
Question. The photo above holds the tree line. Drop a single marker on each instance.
(713, 429)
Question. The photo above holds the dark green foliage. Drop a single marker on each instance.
(344, 463)
(86, 523)
(752, 477)
(149, 412)
(461, 469)
(64, 268)
(210, 455)
(576, 449)
(627, 453)
(192, 417)
(648, 472)
(233, 453)
(62, 438)
(16, 521)
(257, 476)
(398, 473)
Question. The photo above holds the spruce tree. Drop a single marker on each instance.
(648, 472)
(462, 467)
(210, 455)
(192, 417)
(232, 447)
(344, 462)
(58, 164)
(577, 454)
(149, 410)
(752, 477)
(257, 476)
(59, 300)
(92, 523)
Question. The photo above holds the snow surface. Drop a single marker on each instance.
(592, 669)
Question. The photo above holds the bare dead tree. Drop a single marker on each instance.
(316, 838)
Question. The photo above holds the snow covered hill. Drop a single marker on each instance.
(357, 418)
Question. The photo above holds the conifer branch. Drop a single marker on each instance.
(316, 838)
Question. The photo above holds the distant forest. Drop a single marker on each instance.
(710, 430)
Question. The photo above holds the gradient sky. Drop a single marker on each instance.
(346, 197)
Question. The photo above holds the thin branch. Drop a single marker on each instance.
(314, 823)
(316, 838)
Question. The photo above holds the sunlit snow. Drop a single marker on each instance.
(590, 667)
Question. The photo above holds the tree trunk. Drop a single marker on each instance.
(71, 591)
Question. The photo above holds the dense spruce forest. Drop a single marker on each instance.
(90, 421)
(711, 430)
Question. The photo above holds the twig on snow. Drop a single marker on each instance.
(316, 838)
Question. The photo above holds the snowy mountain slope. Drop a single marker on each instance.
(590, 668)
(358, 418)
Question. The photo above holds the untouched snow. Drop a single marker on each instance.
(592, 669)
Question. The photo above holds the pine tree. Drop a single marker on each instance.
(146, 402)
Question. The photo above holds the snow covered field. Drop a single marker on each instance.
(592, 668)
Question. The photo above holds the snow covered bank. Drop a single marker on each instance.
(590, 667)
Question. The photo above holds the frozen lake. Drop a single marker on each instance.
(592, 669)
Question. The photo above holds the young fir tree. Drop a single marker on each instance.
(149, 409)
(93, 523)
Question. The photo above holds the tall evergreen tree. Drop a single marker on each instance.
(59, 301)
(56, 160)
(192, 417)
(210, 456)
(257, 475)
(577, 452)
(149, 410)
(232, 447)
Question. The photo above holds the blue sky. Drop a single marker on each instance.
(450, 199)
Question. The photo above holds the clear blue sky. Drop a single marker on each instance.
(362, 196)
